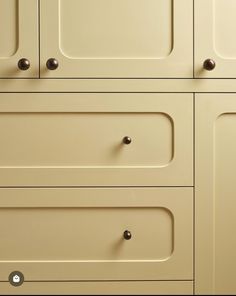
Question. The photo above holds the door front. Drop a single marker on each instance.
(215, 44)
(19, 39)
(215, 194)
(118, 38)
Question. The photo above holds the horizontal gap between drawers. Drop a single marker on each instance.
(16, 187)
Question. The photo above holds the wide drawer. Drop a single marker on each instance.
(78, 234)
(74, 139)
(100, 288)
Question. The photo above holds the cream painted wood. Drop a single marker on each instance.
(77, 234)
(100, 288)
(215, 29)
(18, 37)
(76, 139)
(215, 193)
(118, 85)
(119, 38)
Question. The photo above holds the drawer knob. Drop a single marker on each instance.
(209, 65)
(24, 64)
(127, 235)
(52, 64)
(127, 140)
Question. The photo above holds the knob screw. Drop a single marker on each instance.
(127, 140)
(127, 235)
(52, 64)
(24, 64)
(209, 65)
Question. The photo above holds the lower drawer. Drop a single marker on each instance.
(99, 288)
(96, 234)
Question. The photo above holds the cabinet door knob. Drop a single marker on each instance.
(127, 235)
(209, 65)
(52, 64)
(24, 64)
(127, 140)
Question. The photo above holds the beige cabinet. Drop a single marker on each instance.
(97, 234)
(215, 193)
(119, 38)
(117, 151)
(101, 288)
(215, 28)
(96, 139)
(19, 39)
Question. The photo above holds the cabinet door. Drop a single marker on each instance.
(215, 193)
(96, 139)
(81, 234)
(19, 38)
(215, 30)
(118, 38)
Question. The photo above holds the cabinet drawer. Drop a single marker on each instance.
(79, 139)
(78, 234)
(100, 288)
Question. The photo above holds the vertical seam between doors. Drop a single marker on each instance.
(194, 183)
(39, 38)
(194, 39)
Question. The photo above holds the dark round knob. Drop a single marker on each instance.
(209, 65)
(52, 64)
(127, 235)
(16, 278)
(23, 64)
(127, 140)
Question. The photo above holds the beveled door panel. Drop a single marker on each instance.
(96, 139)
(79, 234)
(215, 194)
(118, 38)
(18, 38)
(215, 28)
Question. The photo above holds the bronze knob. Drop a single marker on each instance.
(209, 65)
(127, 235)
(127, 140)
(52, 64)
(24, 64)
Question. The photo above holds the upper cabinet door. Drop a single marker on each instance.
(116, 38)
(215, 43)
(19, 39)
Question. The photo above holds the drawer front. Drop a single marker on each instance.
(82, 234)
(100, 288)
(96, 139)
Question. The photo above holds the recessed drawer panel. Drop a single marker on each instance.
(95, 139)
(96, 234)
